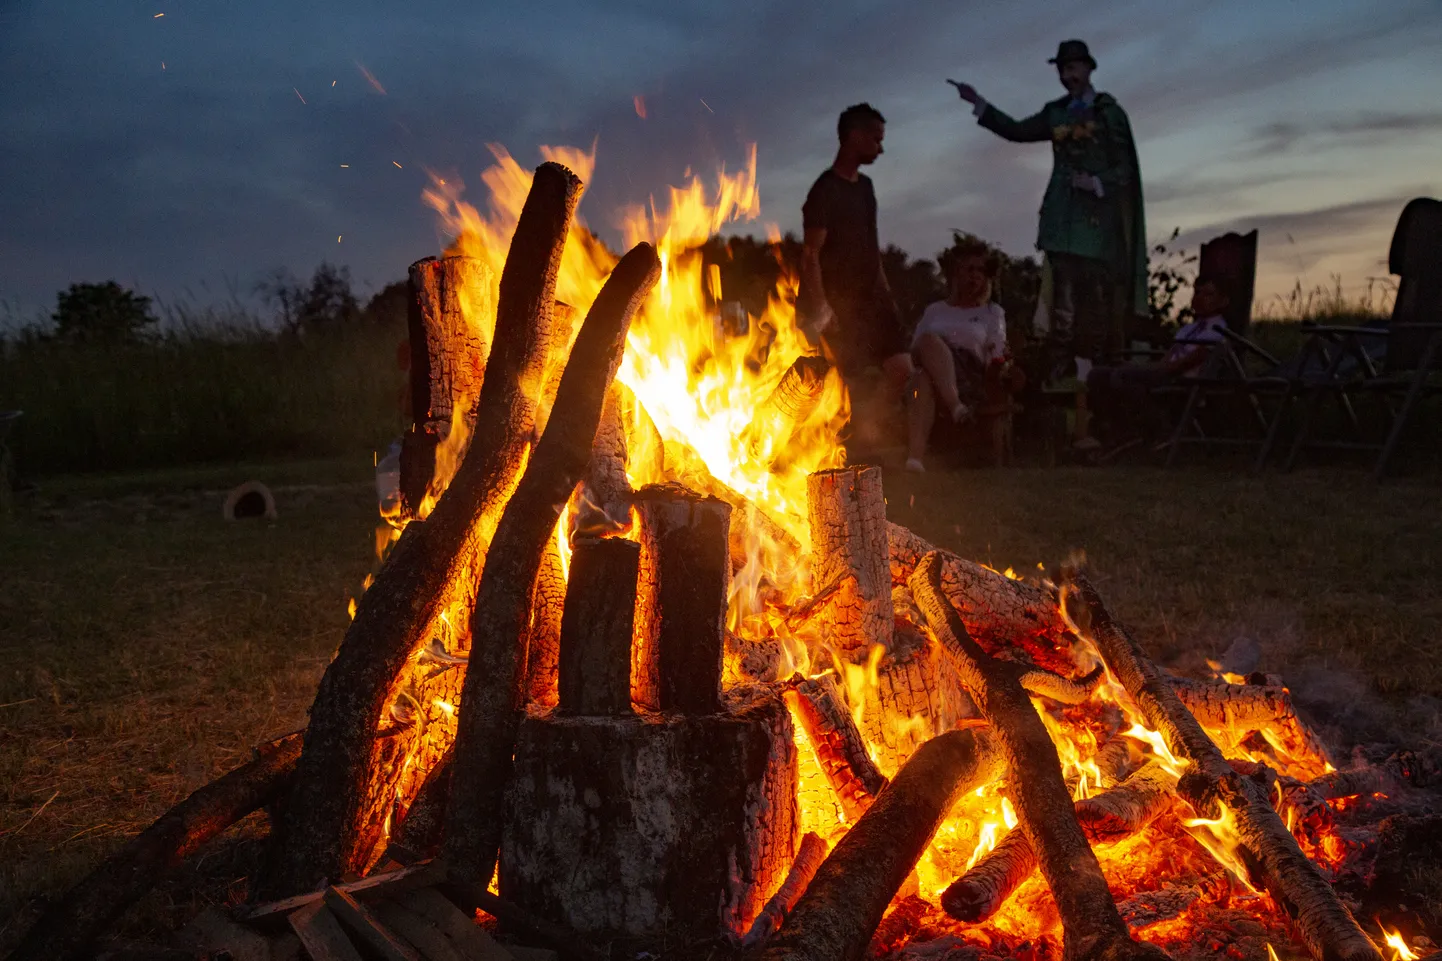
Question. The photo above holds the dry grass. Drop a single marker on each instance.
(146, 646)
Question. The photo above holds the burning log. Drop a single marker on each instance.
(792, 401)
(1268, 849)
(999, 612)
(817, 707)
(606, 488)
(917, 695)
(492, 699)
(844, 903)
(653, 849)
(1170, 900)
(448, 299)
(749, 523)
(1307, 800)
(341, 790)
(846, 511)
(804, 866)
(1091, 926)
(543, 632)
(1063, 690)
(1234, 710)
(680, 600)
(421, 829)
(563, 331)
(595, 662)
(69, 927)
(1115, 813)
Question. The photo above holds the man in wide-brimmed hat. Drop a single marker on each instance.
(1092, 229)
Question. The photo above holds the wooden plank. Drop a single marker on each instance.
(364, 925)
(473, 941)
(420, 874)
(321, 935)
(422, 934)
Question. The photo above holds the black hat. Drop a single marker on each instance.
(1073, 50)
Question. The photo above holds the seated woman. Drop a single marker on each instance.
(959, 344)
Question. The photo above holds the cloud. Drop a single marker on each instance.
(1374, 129)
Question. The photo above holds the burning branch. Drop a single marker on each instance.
(1269, 851)
(320, 837)
(492, 700)
(1092, 928)
(816, 705)
(835, 918)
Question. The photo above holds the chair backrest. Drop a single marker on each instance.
(1416, 258)
(1232, 260)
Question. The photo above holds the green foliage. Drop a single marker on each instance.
(323, 306)
(101, 313)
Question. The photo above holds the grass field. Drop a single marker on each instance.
(146, 645)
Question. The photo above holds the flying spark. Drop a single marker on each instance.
(332, 83)
(370, 78)
(705, 104)
(640, 103)
(162, 65)
(157, 16)
(337, 238)
(343, 166)
(297, 93)
(398, 166)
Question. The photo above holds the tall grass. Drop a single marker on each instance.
(213, 385)
(1277, 323)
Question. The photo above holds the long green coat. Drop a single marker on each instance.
(1111, 228)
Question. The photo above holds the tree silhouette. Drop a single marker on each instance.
(104, 313)
(326, 305)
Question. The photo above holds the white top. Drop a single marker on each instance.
(980, 330)
(1208, 329)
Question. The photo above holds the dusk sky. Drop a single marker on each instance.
(175, 152)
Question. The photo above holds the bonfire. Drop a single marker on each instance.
(645, 671)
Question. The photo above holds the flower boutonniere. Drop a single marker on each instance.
(1074, 131)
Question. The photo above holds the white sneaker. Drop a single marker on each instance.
(914, 465)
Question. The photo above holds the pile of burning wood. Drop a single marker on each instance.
(604, 714)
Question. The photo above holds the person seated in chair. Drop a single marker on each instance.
(959, 348)
(1120, 398)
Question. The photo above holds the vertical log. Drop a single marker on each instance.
(846, 510)
(680, 600)
(595, 662)
(1267, 847)
(492, 700)
(450, 308)
(430, 573)
(543, 633)
(1091, 926)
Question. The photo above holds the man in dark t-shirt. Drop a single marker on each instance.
(844, 296)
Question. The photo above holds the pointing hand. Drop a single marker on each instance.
(966, 90)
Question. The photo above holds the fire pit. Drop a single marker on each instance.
(647, 668)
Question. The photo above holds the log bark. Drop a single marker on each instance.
(449, 311)
(681, 592)
(804, 866)
(817, 708)
(1232, 711)
(1091, 926)
(563, 333)
(1116, 813)
(846, 512)
(72, 924)
(595, 662)
(492, 699)
(543, 631)
(917, 695)
(752, 528)
(420, 830)
(835, 918)
(668, 826)
(1269, 850)
(431, 572)
(1001, 614)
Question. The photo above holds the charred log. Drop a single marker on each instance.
(685, 573)
(1091, 926)
(70, 926)
(492, 699)
(1268, 848)
(420, 830)
(788, 406)
(835, 918)
(595, 662)
(543, 631)
(804, 866)
(1001, 613)
(846, 511)
(817, 707)
(1114, 814)
(1234, 710)
(339, 782)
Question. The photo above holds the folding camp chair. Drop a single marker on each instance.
(1223, 405)
(1395, 363)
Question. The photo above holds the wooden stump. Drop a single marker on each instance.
(849, 557)
(669, 827)
(685, 574)
(596, 630)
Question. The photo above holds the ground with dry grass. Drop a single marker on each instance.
(146, 645)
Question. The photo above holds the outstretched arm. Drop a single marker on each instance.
(1033, 129)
